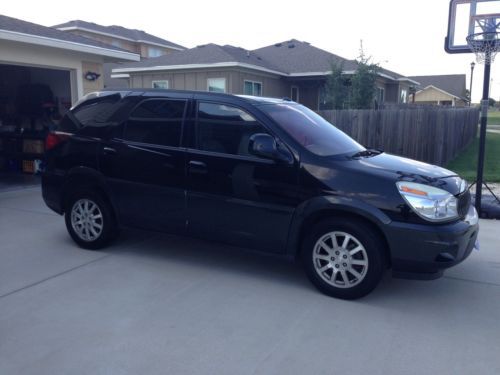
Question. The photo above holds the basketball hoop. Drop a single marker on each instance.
(485, 46)
(474, 26)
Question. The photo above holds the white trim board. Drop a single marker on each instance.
(231, 64)
(197, 66)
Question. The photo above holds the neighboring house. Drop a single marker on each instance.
(447, 90)
(70, 65)
(291, 69)
(136, 41)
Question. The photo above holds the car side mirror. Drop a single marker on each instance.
(265, 146)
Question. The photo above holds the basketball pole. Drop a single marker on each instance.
(482, 131)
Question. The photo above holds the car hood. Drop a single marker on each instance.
(399, 168)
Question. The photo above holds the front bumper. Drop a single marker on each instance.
(424, 251)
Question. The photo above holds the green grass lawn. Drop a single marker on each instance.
(493, 117)
(466, 163)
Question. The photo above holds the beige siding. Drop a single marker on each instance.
(179, 81)
(272, 86)
(90, 86)
(190, 81)
(431, 95)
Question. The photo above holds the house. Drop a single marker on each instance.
(447, 90)
(70, 65)
(291, 69)
(136, 41)
(43, 72)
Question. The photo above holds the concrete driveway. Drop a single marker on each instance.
(155, 304)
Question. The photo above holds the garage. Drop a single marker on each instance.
(43, 72)
(32, 101)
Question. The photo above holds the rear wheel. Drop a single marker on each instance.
(343, 258)
(90, 220)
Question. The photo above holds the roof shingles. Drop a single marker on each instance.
(24, 27)
(291, 57)
(453, 84)
(119, 31)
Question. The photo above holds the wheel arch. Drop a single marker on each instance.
(314, 211)
(81, 178)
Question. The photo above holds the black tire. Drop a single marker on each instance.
(373, 252)
(108, 222)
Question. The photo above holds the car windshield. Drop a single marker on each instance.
(312, 131)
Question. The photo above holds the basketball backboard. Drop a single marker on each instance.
(471, 17)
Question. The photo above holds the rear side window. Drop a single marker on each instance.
(225, 129)
(157, 121)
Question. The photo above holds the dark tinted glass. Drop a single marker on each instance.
(157, 121)
(225, 129)
(311, 130)
(92, 112)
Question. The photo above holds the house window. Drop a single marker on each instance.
(116, 43)
(155, 52)
(252, 88)
(404, 96)
(294, 94)
(163, 84)
(380, 95)
(216, 84)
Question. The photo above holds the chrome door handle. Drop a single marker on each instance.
(109, 150)
(197, 167)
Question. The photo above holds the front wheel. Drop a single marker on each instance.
(343, 258)
(90, 220)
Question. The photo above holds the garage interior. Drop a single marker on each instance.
(32, 102)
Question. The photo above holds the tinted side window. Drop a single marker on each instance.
(157, 121)
(226, 129)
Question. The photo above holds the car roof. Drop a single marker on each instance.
(248, 99)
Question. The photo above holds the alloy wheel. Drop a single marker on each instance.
(340, 259)
(87, 220)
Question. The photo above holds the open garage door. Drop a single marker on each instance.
(32, 101)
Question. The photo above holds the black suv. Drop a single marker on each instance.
(259, 173)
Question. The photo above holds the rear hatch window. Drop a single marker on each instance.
(92, 112)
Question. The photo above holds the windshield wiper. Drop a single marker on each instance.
(367, 153)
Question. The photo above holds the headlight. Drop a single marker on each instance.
(428, 202)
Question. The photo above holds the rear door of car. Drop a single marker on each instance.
(234, 196)
(145, 165)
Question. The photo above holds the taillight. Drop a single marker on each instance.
(55, 138)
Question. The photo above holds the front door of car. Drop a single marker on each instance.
(234, 196)
(145, 168)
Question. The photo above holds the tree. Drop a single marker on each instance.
(491, 102)
(337, 91)
(363, 82)
(467, 95)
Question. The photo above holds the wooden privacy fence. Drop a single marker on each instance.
(431, 134)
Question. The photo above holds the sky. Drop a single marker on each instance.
(405, 36)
